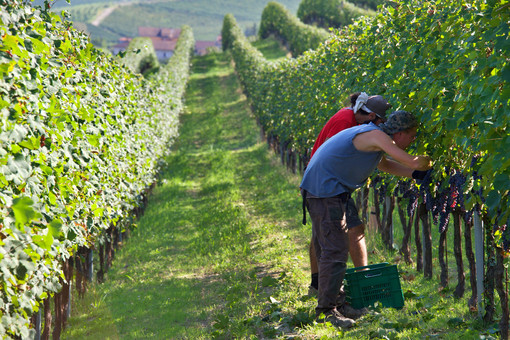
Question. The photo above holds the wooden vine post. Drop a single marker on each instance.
(47, 319)
(423, 215)
(417, 240)
(457, 250)
(364, 203)
(407, 223)
(387, 224)
(468, 227)
(443, 257)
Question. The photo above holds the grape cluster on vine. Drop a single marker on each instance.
(409, 191)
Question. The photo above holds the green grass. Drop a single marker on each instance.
(271, 48)
(220, 251)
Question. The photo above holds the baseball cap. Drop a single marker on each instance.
(378, 105)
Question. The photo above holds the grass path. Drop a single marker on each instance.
(214, 226)
(220, 251)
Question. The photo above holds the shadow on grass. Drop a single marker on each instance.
(213, 245)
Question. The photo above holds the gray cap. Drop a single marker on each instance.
(378, 105)
(399, 121)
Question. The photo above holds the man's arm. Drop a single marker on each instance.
(394, 168)
(377, 140)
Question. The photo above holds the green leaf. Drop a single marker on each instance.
(493, 199)
(11, 43)
(6, 68)
(33, 143)
(55, 227)
(505, 73)
(52, 198)
(93, 140)
(23, 211)
(38, 46)
(502, 181)
(48, 240)
(66, 46)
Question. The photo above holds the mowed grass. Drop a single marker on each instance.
(200, 249)
(220, 251)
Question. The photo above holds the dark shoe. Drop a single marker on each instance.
(336, 319)
(350, 312)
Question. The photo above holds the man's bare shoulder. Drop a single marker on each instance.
(372, 140)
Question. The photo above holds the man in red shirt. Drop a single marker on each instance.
(364, 109)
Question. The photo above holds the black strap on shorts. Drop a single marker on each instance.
(343, 197)
(303, 194)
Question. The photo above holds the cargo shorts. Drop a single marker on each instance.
(329, 227)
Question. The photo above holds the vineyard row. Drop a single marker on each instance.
(82, 138)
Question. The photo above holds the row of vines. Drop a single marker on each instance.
(448, 63)
(82, 138)
(297, 36)
(330, 13)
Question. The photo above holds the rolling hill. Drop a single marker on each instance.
(204, 16)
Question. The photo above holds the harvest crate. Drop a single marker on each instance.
(378, 282)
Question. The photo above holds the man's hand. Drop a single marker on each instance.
(424, 163)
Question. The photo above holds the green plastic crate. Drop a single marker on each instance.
(378, 282)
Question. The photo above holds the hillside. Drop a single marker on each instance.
(204, 16)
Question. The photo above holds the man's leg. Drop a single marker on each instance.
(331, 246)
(358, 246)
(358, 253)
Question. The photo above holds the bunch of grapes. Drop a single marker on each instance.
(441, 210)
(441, 204)
(457, 182)
(402, 187)
(382, 188)
(411, 194)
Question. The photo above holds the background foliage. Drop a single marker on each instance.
(299, 37)
(140, 56)
(204, 16)
(330, 13)
(81, 139)
(447, 64)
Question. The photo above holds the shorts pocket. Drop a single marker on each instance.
(336, 213)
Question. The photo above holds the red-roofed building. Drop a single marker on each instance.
(164, 41)
(121, 46)
(202, 47)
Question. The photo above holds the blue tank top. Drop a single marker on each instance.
(338, 167)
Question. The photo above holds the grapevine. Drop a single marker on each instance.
(81, 141)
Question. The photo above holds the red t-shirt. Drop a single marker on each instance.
(341, 120)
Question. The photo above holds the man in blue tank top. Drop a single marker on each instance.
(341, 165)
